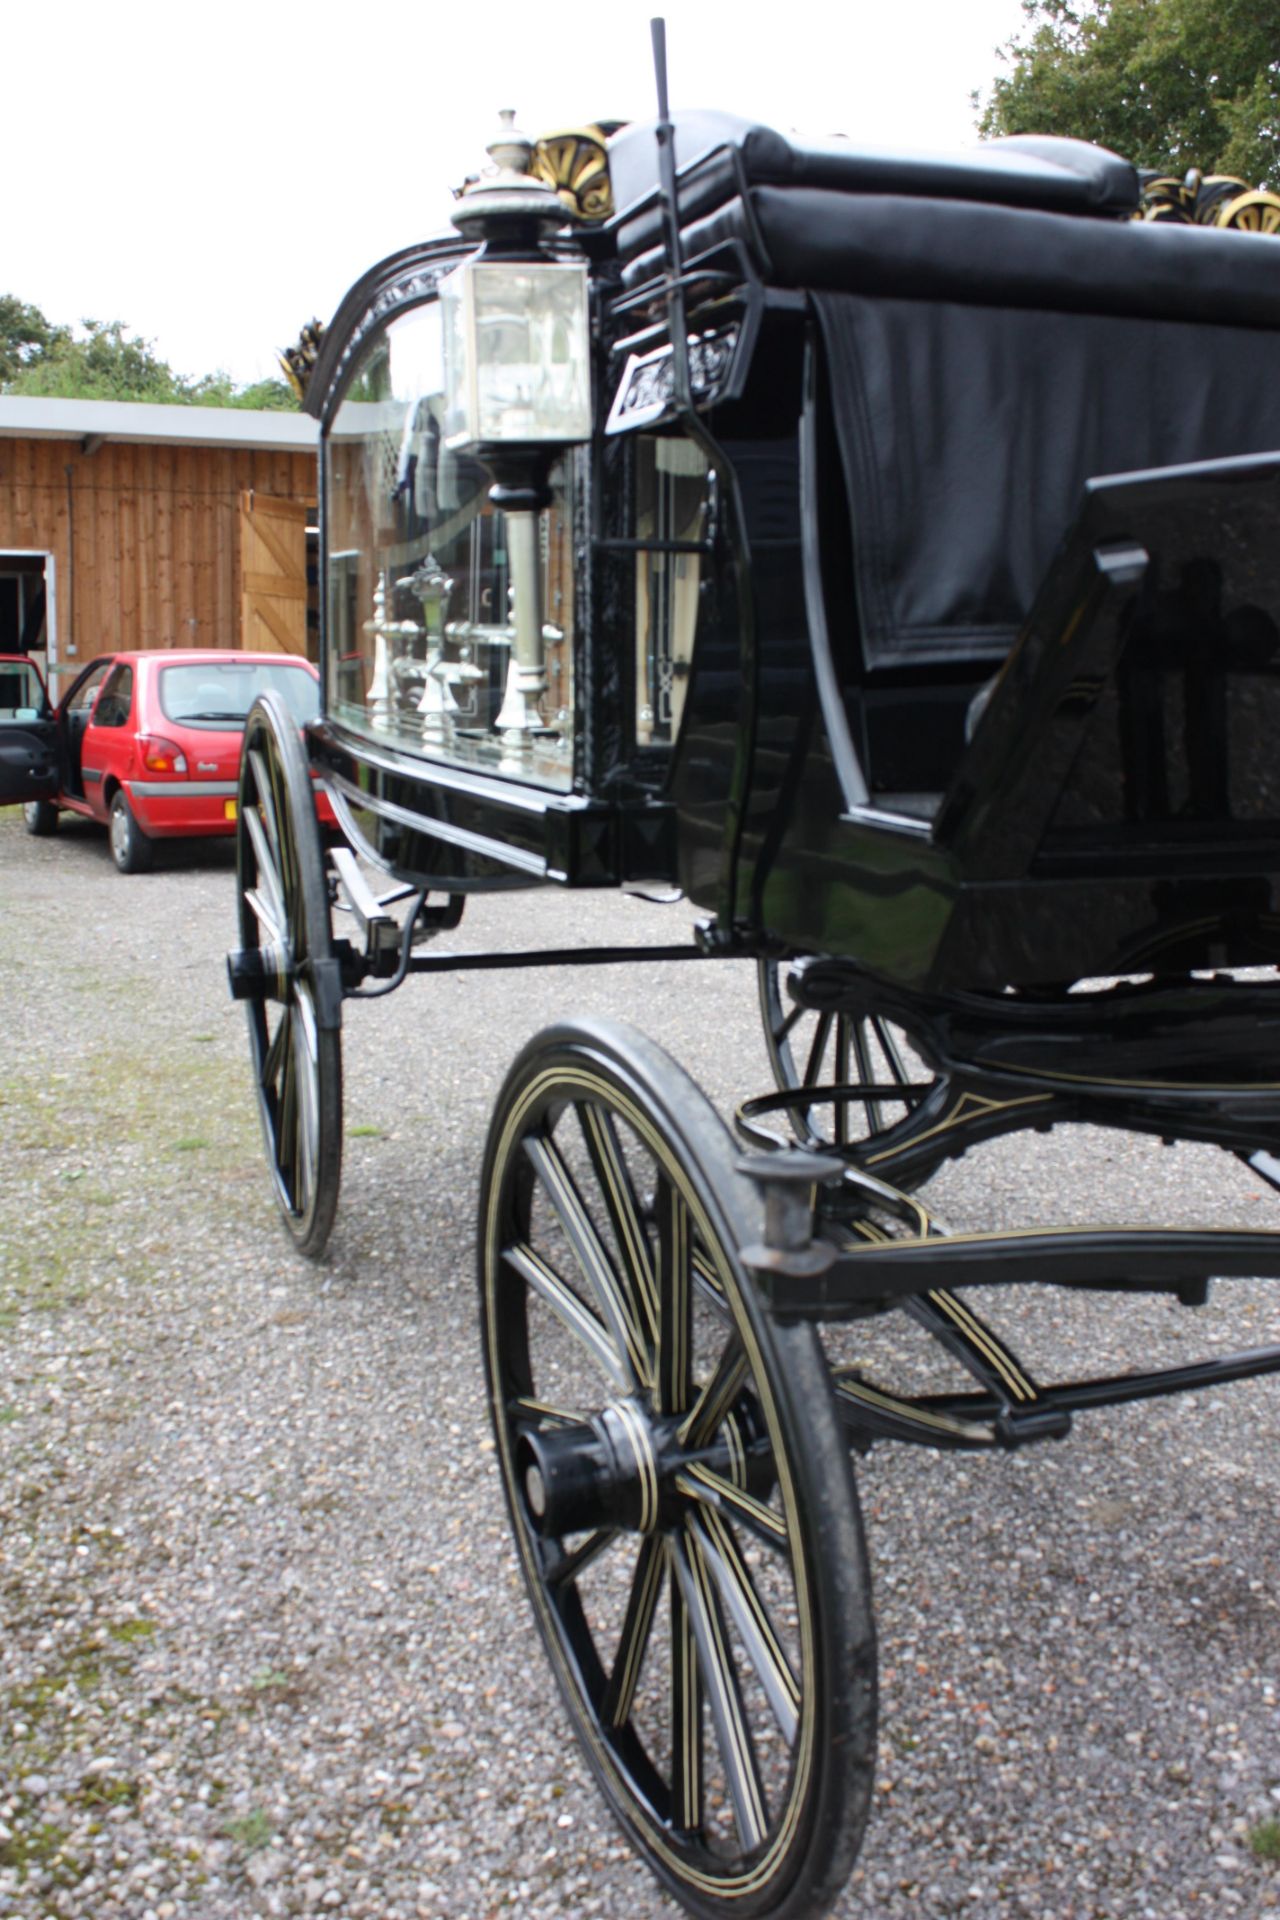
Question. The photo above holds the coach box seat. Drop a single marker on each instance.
(997, 329)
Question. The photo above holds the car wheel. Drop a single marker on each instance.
(131, 850)
(40, 817)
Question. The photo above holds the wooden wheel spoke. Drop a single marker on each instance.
(304, 1074)
(585, 1326)
(675, 1298)
(741, 1601)
(617, 1311)
(633, 1641)
(273, 1059)
(287, 1112)
(719, 1679)
(620, 1202)
(875, 1112)
(788, 1021)
(812, 1076)
(567, 1566)
(715, 1396)
(686, 1713)
(267, 898)
(889, 1048)
(712, 1489)
(540, 1413)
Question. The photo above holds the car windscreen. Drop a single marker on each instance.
(219, 696)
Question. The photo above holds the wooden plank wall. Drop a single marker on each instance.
(156, 535)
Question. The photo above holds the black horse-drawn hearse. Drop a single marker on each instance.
(883, 551)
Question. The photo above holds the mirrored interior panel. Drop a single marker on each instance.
(423, 576)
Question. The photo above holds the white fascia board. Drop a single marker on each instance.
(24, 417)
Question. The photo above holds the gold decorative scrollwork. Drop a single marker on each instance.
(298, 360)
(576, 164)
(1209, 200)
(1252, 213)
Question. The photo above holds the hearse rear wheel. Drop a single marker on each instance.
(827, 1050)
(287, 952)
(681, 1494)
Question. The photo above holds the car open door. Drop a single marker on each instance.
(28, 754)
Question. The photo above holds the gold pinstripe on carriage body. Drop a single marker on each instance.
(985, 1341)
(969, 1106)
(859, 1392)
(592, 1086)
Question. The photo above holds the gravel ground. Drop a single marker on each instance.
(264, 1650)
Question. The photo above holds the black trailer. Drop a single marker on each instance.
(882, 551)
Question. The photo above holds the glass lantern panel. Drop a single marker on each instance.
(671, 505)
(420, 631)
(517, 354)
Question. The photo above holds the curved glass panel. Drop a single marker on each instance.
(420, 647)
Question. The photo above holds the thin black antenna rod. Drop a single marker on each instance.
(665, 135)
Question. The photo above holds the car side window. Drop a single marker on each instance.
(116, 699)
(86, 693)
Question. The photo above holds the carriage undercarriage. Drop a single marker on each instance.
(651, 1295)
(981, 898)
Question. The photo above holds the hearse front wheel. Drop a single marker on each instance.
(286, 973)
(681, 1496)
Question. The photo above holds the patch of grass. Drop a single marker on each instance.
(191, 1143)
(250, 1830)
(40, 1849)
(104, 1792)
(129, 1630)
(364, 1133)
(8, 1415)
(1265, 1840)
(268, 1677)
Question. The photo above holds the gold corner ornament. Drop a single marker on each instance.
(298, 360)
(576, 164)
(1209, 200)
(1252, 212)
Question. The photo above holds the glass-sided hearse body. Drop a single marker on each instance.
(883, 551)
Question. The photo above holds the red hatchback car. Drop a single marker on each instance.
(149, 743)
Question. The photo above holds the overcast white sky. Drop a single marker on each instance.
(215, 175)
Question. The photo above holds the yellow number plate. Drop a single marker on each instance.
(229, 809)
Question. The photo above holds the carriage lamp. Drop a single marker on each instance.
(517, 377)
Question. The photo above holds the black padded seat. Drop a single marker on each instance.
(721, 153)
(996, 333)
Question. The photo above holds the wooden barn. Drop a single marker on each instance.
(124, 525)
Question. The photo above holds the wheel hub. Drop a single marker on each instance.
(621, 1468)
(260, 973)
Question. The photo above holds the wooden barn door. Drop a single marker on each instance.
(273, 572)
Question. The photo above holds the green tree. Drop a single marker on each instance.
(104, 361)
(105, 364)
(1171, 84)
(25, 335)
